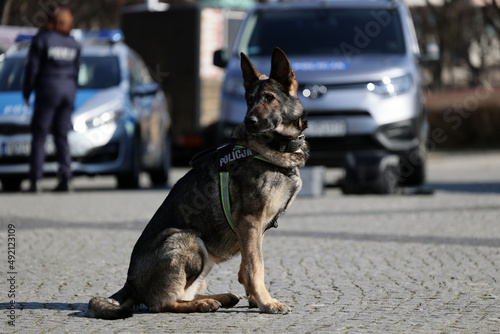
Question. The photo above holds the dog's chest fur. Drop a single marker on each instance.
(264, 191)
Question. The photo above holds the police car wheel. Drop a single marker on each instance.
(11, 183)
(130, 179)
(159, 176)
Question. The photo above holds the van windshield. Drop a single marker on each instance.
(328, 32)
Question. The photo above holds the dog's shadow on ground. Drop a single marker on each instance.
(468, 187)
(79, 310)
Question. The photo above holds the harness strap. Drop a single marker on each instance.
(227, 155)
(224, 193)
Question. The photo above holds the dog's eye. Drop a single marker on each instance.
(269, 97)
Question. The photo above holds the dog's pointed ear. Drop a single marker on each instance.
(282, 72)
(249, 72)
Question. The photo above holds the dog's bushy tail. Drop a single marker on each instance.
(110, 308)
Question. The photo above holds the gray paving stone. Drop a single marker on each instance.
(349, 264)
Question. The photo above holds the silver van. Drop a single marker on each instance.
(357, 64)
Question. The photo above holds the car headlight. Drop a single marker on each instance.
(391, 86)
(234, 86)
(104, 118)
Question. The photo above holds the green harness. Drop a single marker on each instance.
(230, 155)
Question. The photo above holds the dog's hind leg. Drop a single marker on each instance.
(203, 303)
(181, 264)
(225, 299)
(184, 306)
(189, 301)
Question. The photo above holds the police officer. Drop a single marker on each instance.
(52, 72)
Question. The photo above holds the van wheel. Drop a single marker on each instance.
(412, 170)
(11, 183)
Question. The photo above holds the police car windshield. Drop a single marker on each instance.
(95, 73)
(328, 32)
(11, 73)
(99, 72)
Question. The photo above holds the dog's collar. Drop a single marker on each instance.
(283, 144)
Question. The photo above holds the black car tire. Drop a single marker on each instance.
(130, 179)
(412, 167)
(370, 173)
(11, 183)
(159, 176)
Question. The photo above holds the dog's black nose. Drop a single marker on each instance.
(251, 121)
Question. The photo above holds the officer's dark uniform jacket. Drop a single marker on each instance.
(54, 59)
(52, 72)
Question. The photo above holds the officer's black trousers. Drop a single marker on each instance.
(52, 113)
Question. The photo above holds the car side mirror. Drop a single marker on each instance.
(221, 58)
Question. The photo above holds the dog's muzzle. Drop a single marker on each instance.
(291, 145)
(254, 125)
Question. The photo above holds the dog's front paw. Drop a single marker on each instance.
(276, 308)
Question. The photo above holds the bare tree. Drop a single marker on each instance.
(491, 14)
(87, 14)
(461, 30)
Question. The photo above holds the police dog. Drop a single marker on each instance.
(190, 233)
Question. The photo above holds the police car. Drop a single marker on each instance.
(120, 120)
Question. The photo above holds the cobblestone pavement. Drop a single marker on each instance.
(349, 264)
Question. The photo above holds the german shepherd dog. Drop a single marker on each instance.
(189, 233)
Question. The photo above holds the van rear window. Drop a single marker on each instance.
(328, 32)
